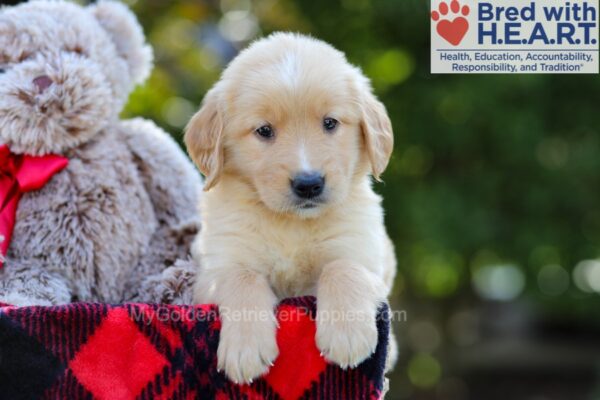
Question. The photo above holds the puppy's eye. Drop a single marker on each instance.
(2, 70)
(265, 131)
(330, 124)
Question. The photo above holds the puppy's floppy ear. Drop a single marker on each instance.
(377, 132)
(203, 138)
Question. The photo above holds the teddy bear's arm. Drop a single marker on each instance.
(22, 283)
(172, 286)
(171, 179)
(174, 187)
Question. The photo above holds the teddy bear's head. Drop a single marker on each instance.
(66, 72)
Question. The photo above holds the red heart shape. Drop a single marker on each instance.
(453, 31)
(299, 362)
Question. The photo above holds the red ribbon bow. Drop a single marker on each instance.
(20, 174)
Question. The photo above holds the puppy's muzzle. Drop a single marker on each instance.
(308, 185)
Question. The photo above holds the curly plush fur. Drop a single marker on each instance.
(116, 224)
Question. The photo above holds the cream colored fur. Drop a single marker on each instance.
(257, 244)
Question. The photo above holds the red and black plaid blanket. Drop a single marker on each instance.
(140, 351)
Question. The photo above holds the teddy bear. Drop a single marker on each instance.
(115, 209)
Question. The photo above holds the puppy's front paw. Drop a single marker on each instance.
(247, 349)
(346, 341)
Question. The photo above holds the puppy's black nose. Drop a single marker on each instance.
(307, 185)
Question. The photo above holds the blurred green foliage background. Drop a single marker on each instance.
(492, 195)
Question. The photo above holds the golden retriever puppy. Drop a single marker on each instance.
(287, 140)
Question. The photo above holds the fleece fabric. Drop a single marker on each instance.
(143, 351)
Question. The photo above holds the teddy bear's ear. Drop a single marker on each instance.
(127, 35)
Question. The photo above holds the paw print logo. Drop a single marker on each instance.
(452, 30)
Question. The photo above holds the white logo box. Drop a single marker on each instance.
(514, 36)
